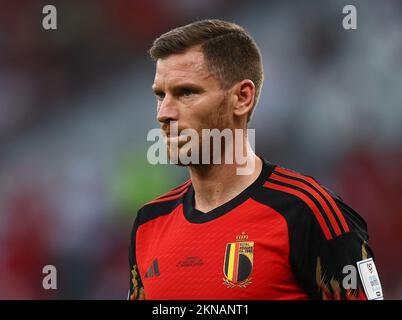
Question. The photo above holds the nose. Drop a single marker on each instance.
(167, 110)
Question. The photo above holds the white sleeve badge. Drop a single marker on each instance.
(370, 280)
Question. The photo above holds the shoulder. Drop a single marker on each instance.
(163, 204)
(304, 202)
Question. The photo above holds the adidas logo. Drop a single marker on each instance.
(153, 270)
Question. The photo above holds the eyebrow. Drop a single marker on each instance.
(156, 90)
(178, 87)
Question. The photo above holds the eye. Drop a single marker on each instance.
(187, 92)
(160, 95)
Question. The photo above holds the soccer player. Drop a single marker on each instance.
(270, 234)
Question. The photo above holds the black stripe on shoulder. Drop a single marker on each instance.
(313, 199)
(323, 197)
(154, 210)
(174, 191)
(354, 220)
(291, 207)
(284, 203)
(181, 185)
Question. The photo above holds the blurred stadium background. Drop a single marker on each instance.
(76, 106)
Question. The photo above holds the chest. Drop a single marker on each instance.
(237, 256)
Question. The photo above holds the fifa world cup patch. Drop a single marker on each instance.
(238, 262)
(370, 280)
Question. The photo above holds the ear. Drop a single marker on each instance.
(245, 93)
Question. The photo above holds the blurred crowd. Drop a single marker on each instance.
(76, 106)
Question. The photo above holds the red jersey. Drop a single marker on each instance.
(284, 237)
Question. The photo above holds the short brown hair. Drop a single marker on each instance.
(230, 52)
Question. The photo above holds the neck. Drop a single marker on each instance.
(216, 184)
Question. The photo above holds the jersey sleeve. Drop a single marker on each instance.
(136, 291)
(325, 254)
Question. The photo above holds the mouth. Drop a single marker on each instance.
(168, 135)
(171, 134)
(175, 138)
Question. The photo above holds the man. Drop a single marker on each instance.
(269, 234)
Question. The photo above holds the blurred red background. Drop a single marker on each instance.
(76, 106)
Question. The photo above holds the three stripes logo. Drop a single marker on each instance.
(153, 270)
(323, 206)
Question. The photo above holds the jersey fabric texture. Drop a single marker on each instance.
(283, 237)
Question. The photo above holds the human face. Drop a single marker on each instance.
(187, 92)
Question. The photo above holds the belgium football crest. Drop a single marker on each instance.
(238, 263)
